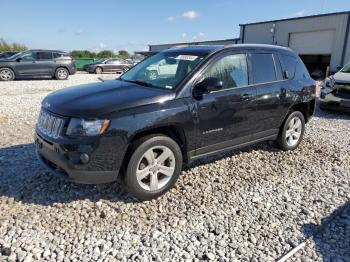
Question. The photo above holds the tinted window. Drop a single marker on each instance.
(114, 62)
(29, 56)
(278, 67)
(231, 70)
(263, 68)
(57, 55)
(301, 71)
(289, 63)
(44, 55)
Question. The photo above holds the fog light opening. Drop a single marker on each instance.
(84, 158)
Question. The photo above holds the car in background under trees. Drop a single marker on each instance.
(335, 95)
(7, 54)
(108, 65)
(37, 63)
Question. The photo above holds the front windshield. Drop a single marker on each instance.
(346, 68)
(164, 70)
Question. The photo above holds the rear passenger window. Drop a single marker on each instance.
(231, 70)
(289, 63)
(263, 68)
(44, 55)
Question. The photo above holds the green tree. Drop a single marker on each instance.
(105, 53)
(123, 54)
(5, 46)
(83, 54)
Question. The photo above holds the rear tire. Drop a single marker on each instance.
(61, 73)
(6, 74)
(291, 132)
(98, 70)
(154, 167)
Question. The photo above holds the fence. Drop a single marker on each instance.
(80, 62)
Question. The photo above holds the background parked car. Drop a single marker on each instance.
(335, 95)
(37, 63)
(7, 54)
(108, 65)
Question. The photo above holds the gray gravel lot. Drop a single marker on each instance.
(253, 204)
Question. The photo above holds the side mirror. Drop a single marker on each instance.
(286, 74)
(339, 68)
(207, 85)
(19, 59)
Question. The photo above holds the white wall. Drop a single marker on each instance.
(260, 33)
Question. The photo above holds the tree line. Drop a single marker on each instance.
(123, 54)
(105, 53)
(8, 47)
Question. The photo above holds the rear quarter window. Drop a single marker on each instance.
(289, 64)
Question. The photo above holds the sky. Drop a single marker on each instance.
(134, 24)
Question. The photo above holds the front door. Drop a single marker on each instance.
(225, 116)
(26, 64)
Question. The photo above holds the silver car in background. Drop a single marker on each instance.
(335, 95)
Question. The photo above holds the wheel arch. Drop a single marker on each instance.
(173, 131)
(306, 108)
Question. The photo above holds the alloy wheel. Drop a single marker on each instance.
(6, 75)
(155, 168)
(293, 132)
(62, 74)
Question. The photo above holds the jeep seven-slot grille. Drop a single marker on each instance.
(50, 124)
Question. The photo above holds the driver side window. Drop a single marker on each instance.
(30, 56)
(232, 70)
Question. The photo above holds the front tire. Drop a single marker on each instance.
(98, 70)
(154, 167)
(6, 74)
(292, 131)
(61, 73)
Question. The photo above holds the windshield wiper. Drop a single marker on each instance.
(137, 82)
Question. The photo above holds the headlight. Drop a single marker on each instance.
(82, 127)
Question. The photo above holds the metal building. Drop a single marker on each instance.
(158, 48)
(320, 40)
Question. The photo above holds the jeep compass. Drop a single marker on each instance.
(203, 100)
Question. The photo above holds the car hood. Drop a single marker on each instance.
(94, 100)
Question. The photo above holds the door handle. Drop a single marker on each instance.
(246, 96)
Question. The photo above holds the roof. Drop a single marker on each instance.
(207, 49)
(296, 18)
(47, 50)
(199, 42)
(196, 49)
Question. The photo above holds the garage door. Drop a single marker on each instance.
(308, 43)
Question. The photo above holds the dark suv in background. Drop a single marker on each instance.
(37, 63)
(204, 101)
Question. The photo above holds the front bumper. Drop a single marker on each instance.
(65, 159)
(330, 101)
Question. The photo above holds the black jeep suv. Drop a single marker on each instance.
(37, 63)
(204, 100)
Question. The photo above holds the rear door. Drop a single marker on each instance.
(45, 63)
(268, 80)
(113, 65)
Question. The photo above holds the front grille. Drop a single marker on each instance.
(342, 93)
(50, 124)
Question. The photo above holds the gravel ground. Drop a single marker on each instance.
(253, 204)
